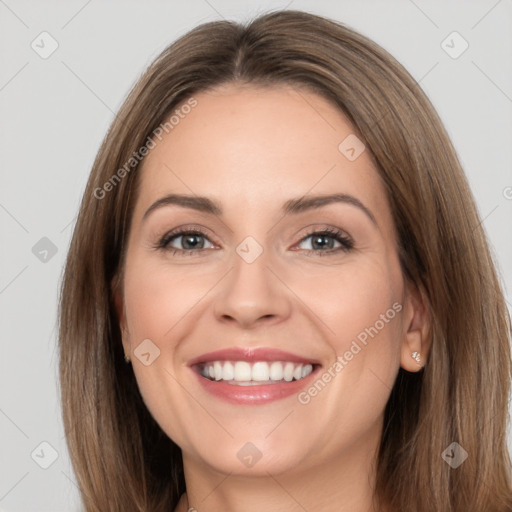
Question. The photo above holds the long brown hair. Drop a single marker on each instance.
(121, 458)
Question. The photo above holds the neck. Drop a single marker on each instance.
(342, 483)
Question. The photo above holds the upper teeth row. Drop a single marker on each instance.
(257, 371)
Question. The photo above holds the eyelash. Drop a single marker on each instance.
(346, 242)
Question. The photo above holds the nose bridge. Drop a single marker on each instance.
(251, 290)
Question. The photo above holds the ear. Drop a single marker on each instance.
(416, 327)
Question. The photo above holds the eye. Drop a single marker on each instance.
(190, 240)
(194, 241)
(324, 241)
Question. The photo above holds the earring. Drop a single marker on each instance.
(416, 356)
(126, 358)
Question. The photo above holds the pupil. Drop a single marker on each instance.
(188, 241)
(321, 237)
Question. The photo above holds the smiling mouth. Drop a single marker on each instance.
(244, 373)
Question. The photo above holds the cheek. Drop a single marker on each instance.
(361, 308)
(354, 299)
(159, 303)
(157, 298)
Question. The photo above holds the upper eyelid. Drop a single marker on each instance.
(176, 233)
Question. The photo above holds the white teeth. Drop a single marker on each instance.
(217, 367)
(246, 374)
(260, 371)
(276, 371)
(228, 371)
(288, 372)
(242, 370)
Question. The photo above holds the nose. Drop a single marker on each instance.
(253, 294)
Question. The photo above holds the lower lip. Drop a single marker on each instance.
(254, 394)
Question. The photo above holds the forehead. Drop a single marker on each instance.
(256, 147)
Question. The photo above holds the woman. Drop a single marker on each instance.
(279, 237)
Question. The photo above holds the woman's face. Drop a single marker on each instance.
(263, 271)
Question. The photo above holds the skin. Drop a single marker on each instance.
(252, 149)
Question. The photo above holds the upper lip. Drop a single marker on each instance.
(251, 355)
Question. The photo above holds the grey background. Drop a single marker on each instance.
(55, 112)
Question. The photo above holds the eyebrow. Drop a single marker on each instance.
(292, 206)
